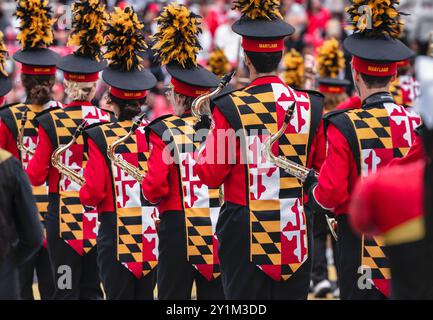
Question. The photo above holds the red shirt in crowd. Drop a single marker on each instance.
(7, 141)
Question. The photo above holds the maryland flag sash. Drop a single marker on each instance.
(405, 91)
(11, 116)
(380, 133)
(200, 203)
(278, 237)
(137, 240)
(78, 226)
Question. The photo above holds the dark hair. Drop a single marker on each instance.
(265, 62)
(374, 82)
(128, 109)
(38, 87)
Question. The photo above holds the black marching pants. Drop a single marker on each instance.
(241, 278)
(175, 274)
(349, 260)
(85, 283)
(40, 263)
(119, 283)
(320, 263)
(9, 284)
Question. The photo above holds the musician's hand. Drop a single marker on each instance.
(310, 182)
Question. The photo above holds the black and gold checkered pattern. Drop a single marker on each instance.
(30, 130)
(200, 238)
(129, 240)
(373, 131)
(71, 220)
(256, 107)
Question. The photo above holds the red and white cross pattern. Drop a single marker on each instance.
(195, 191)
(294, 241)
(31, 143)
(402, 124)
(94, 115)
(127, 188)
(150, 237)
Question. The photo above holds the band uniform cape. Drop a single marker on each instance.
(78, 225)
(133, 217)
(11, 116)
(200, 204)
(274, 198)
(378, 132)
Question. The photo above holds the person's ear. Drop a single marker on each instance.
(394, 77)
(247, 61)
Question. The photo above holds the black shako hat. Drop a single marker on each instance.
(127, 78)
(35, 36)
(176, 45)
(374, 45)
(88, 26)
(261, 25)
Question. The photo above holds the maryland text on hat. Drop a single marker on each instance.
(262, 45)
(128, 95)
(38, 70)
(82, 77)
(374, 68)
(324, 88)
(188, 90)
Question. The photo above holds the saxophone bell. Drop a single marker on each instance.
(56, 157)
(116, 159)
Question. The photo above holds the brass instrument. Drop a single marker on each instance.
(292, 168)
(199, 101)
(20, 140)
(132, 170)
(289, 166)
(56, 161)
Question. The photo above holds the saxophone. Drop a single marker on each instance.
(200, 100)
(291, 167)
(20, 139)
(133, 171)
(56, 162)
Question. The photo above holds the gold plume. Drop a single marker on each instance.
(176, 38)
(218, 62)
(125, 40)
(330, 59)
(375, 18)
(36, 23)
(3, 55)
(259, 9)
(293, 63)
(88, 27)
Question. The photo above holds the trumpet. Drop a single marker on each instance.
(20, 140)
(117, 160)
(291, 167)
(55, 158)
(199, 101)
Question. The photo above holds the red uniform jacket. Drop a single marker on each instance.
(382, 203)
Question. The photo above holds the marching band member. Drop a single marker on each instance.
(127, 240)
(71, 229)
(188, 208)
(362, 140)
(264, 234)
(405, 88)
(218, 63)
(396, 204)
(38, 68)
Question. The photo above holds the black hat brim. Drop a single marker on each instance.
(5, 85)
(37, 57)
(129, 81)
(382, 50)
(197, 76)
(334, 82)
(264, 29)
(80, 64)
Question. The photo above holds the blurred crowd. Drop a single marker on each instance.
(314, 20)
